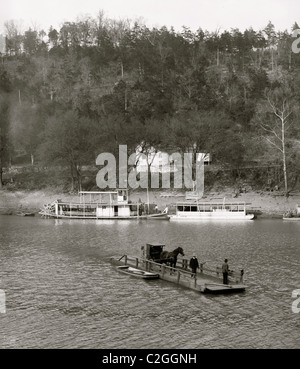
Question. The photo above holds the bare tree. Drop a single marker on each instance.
(14, 32)
(1, 169)
(275, 118)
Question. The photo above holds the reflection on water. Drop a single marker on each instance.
(62, 292)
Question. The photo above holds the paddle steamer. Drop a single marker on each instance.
(96, 205)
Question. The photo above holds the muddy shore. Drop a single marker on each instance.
(266, 204)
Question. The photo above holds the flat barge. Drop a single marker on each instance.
(206, 280)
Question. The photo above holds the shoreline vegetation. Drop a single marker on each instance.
(106, 86)
(263, 203)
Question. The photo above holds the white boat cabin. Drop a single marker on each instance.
(109, 204)
(208, 210)
(211, 207)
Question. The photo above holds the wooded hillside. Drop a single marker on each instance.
(68, 95)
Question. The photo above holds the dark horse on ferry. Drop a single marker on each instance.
(171, 257)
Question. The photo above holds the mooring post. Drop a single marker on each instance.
(201, 267)
(163, 269)
(178, 276)
(125, 259)
(136, 262)
(242, 274)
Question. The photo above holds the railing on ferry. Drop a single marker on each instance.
(182, 268)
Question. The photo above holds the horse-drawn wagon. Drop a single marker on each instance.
(156, 253)
(153, 251)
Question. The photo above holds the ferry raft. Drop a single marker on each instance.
(211, 211)
(206, 280)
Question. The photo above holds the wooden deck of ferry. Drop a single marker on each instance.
(206, 280)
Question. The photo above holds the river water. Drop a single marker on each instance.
(62, 292)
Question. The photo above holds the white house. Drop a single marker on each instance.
(162, 162)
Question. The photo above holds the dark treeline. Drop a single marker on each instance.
(70, 94)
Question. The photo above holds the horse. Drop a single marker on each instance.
(171, 257)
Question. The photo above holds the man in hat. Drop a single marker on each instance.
(225, 271)
(194, 264)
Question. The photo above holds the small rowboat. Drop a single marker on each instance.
(294, 218)
(137, 272)
(292, 215)
(158, 216)
(26, 214)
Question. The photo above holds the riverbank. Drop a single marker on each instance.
(267, 204)
(264, 204)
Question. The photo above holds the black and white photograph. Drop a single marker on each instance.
(150, 178)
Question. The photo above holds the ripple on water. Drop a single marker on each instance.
(62, 292)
